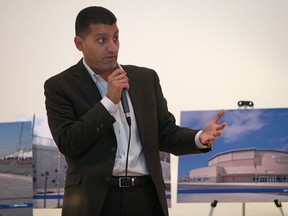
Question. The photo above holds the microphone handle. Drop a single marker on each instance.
(125, 106)
(125, 102)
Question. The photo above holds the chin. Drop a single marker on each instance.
(112, 66)
(109, 67)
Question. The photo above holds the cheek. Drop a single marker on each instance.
(94, 52)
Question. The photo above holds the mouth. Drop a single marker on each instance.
(110, 58)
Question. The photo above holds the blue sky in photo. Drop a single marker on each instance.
(9, 132)
(246, 128)
(40, 125)
(13, 135)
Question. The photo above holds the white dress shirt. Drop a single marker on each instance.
(136, 160)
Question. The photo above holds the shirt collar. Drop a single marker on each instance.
(93, 75)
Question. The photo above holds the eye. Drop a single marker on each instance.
(116, 38)
(101, 40)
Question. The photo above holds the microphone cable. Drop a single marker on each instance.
(126, 172)
(128, 149)
(126, 111)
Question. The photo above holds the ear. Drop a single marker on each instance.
(78, 41)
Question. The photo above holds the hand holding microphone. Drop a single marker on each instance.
(117, 81)
(118, 84)
(124, 102)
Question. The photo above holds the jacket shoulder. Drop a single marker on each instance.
(68, 73)
(134, 68)
(140, 72)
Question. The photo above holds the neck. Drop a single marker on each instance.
(103, 74)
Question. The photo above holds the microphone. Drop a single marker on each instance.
(125, 105)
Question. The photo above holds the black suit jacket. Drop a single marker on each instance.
(82, 129)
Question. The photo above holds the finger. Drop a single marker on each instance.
(221, 126)
(123, 81)
(211, 141)
(218, 133)
(119, 76)
(219, 115)
(118, 72)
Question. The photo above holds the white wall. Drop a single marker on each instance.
(209, 55)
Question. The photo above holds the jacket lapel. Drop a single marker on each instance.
(137, 100)
(86, 84)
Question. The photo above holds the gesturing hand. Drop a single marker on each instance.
(212, 130)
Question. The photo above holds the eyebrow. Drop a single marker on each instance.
(105, 34)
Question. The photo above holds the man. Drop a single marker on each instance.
(114, 168)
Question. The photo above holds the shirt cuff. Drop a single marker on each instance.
(109, 105)
(198, 143)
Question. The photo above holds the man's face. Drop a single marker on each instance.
(100, 47)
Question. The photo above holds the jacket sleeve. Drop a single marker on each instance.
(173, 138)
(75, 124)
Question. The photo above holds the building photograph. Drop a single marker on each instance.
(249, 163)
(16, 169)
(244, 166)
